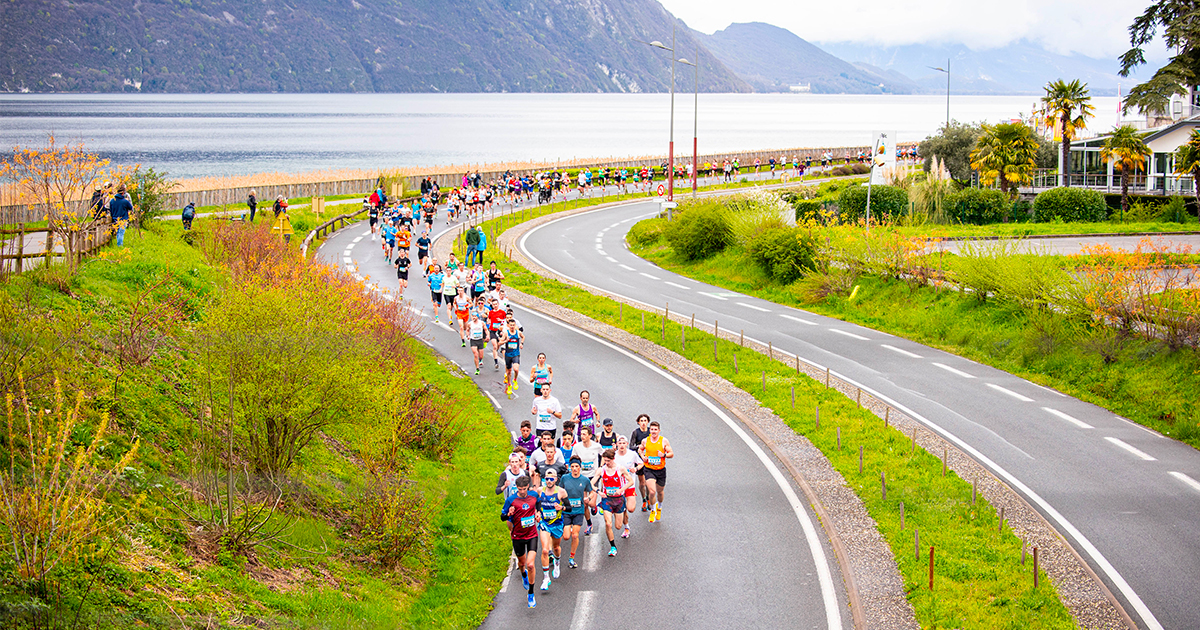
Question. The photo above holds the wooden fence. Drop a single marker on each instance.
(13, 256)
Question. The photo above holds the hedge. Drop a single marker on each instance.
(700, 232)
(978, 206)
(783, 253)
(1070, 205)
(852, 202)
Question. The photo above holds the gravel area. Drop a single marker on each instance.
(868, 565)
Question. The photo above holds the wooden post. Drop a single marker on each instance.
(693, 320)
(770, 350)
(643, 321)
(945, 454)
(887, 414)
(683, 338)
(21, 248)
(793, 397)
(1035, 567)
(931, 567)
(826, 378)
(797, 363)
(1000, 529)
(858, 401)
(901, 516)
(742, 339)
(883, 484)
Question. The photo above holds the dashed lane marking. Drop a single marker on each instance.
(954, 371)
(906, 353)
(797, 319)
(757, 308)
(677, 285)
(358, 238)
(1004, 390)
(1195, 485)
(497, 404)
(643, 273)
(610, 259)
(848, 334)
(585, 608)
(350, 246)
(1073, 420)
(714, 295)
(1135, 451)
(626, 267)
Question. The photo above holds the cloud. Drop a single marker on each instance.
(1094, 28)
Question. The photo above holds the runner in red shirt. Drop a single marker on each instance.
(521, 512)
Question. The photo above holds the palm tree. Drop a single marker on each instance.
(1068, 105)
(1126, 150)
(1187, 161)
(1006, 152)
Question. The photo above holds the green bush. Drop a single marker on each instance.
(807, 209)
(387, 524)
(646, 232)
(977, 206)
(783, 253)
(885, 200)
(700, 232)
(1070, 205)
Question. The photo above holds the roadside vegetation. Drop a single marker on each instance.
(205, 430)
(980, 581)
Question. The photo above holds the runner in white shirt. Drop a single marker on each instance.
(631, 461)
(548, 412)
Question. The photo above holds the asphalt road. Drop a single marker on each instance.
(731, 550)
(1126, 498)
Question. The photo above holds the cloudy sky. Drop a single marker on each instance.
(1095, 28)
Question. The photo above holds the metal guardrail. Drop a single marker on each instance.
(323, 229)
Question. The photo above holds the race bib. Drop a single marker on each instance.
(548, 515)
(612, 492)
(526, 521)
(588, 465)
(575, 502)
(654, 460)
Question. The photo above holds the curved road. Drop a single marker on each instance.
(1126, 498)
(732, 548)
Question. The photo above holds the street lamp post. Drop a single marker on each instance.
(671, 146)
(947, 71)
(695, 115)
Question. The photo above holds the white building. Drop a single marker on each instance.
(1088, 169)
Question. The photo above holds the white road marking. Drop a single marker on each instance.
(904, 352)
(953, 371)
(512, 564)
(601, 252)
(350, 246)
(358, 238)
(1131, 449)
(757, 308)
(627, 267)
(367, 233)
(652, 278)
(350, 261)
(1195, 485)
(833, 617)
(610, 259)
(613, 226)
(714, 295)
(599, 239)
(848, 334)
(797, 319)
(1004, 390)
(585, 604)
(1073, 420)
(497, 403)
(679, 286)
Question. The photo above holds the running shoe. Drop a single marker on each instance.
(612, 551)
(657, 514)
(509, 392)
(464, 343)
(571, 563)
(556, 571)
(644, 508)
(525, 580)
(625, 534)
(588, 531)
(516, 386)
(532, 601)
(546, 584)
(653, 514)
(476, 371)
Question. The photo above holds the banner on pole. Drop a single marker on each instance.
(883, 156)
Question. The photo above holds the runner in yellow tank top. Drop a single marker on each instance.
(655, 452)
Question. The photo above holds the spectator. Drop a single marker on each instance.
(482, 245)
(280, 206)
(252, 203)
(119, 209)
(472, 242)
(189, 214)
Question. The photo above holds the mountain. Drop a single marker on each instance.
(344, 46)
(1021, 67)
(771, 59)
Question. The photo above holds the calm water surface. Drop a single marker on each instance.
(194, 135)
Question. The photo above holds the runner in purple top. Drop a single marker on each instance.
(585, 413)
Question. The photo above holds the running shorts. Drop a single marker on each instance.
(616, 505)
(402, 275)
(573, 519)
(537, 389)
(437, 296)
(659, 476)
(510, 360)
(422, 253)
(522, 547)
(374, 220)
(478, 343)
(555, 529)
(391, 243)
(495, 335)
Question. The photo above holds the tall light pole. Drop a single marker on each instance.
(671, 146)
(695, 115)
(947, 71)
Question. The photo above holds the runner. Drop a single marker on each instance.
(402, 266)
(521, 512)
(423, 247)
(589, 451)
(613, 482)
(462, 313)
(579, 497)
(449, 289)
(631, 462)
(566, 441)
(478, 282)
(477, 331)
(656, 450)
(527, 440)
(635, 443)
(496, 317)
(436, 280)
(607, 437)
(548, 412)
(509, 476)
(540, 374)
(547, 458)
(494, 277)
(552, 501)
(514, 341)
(388, 240)
(372, 217)
(584, 413)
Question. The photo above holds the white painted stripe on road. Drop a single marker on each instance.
(757, 308)
(1004, 390)
(1073, 420)
(904, 352)
(497, 403)
(367, 233)
(802, 321)
(358, 238)
(833, 618)
(610, 259)
(626, 267)
(585, 608)
(848, 334)
(1195, 485)
(350, 246)
(674, 284)
(601, 252)
(643, 273)
(512, 565)
(714, 295)
(348, 260)
(1131, 449)
(953, 371)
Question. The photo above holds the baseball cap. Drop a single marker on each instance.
(608, 422)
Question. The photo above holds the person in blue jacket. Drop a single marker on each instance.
(119, 208)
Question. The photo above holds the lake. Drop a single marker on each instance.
(194, 135)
